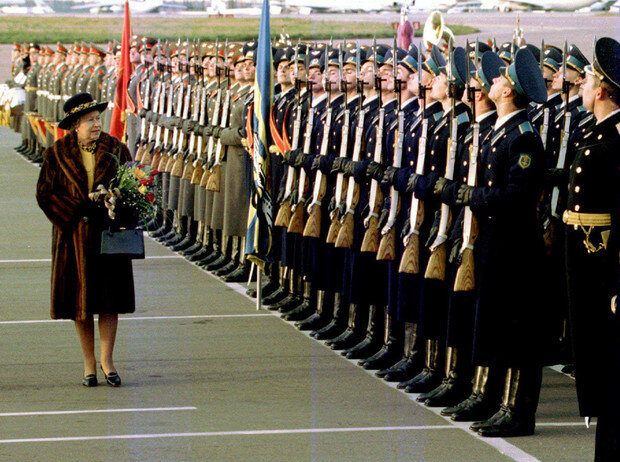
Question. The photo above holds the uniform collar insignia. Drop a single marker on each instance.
(498, 135)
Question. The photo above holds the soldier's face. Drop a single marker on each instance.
(134, 56)
(501, 88)
(403, 77)
(591, 90)
(367, 74)
(439, 90)
(299, 70)
(333, 76)
(316, 77)
(548, 75)
(34, 56)
(88, 127)
(239, 67)
(349, 77)
(283, 74)
(248, 70)
(387, 78)
(412, 83)
(571, 76)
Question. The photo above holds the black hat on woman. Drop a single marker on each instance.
(77, 106)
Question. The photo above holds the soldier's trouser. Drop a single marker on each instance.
(173, 192)
(165, 188)
(434, 309)
(187, 199)
(199, 202)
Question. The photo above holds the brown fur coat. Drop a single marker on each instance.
(83, 283)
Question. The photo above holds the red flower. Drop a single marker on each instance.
(140, 166)
(154, 172)
(150, 197)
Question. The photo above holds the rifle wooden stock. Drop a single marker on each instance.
(140, 153)
(344, 240)
(147, 154)
(465, 281)
(177, 165)
(313, 224)
(296, 223)
(436, 267)
(372, 236)
(283, 218)
(334, 229)
(410, 261)
(197, 173)
(169, 163)
(188, 171)
(387, 246)
(214, 181)
(205, 178)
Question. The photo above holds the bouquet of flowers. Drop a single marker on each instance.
(131, 195)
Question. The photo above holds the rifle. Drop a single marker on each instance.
(387, 246)
(544, 131)
(198, 163)
(177, 169)
(335, 215)
(555, 194)
(370, 243)
(214, 182)
(209, 160)
(436, 268)
(156, 152)
(313, 224)
(147, 147)
(296, 223)
(410, 261)
(283, 217)
(165, 147)
(465, 280)
(178, 112)
(347, 222)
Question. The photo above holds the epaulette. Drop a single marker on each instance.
(586, 119)
(462, 118)
(526, 127)
(559, 115)
(100, 71)
(499, 135)
(581, 108)
(438, 115)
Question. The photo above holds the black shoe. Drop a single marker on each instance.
(397, 366)
(388, 355)
(451, 392)
(314, 322)
(241, 274)
(161, 231)
(90, 380)
(450, 410)
(474, 408)
(407, 370)
(349, 338)
(211, 257)
(191, 250)
(173, 240)
(201, 253)
(184, 244)
(268, 289)
(112, 378)
(365, 349)
(289, 302)
(331, 330)
(426, 381)
(277, 296)
(300, 312)
(220, 262)
(507, 425)
(226, 269)
(166, 237)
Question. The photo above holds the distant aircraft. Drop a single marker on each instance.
(432, 5)
(308, 6)
(135, 6)
(547, 5)
(24, 7)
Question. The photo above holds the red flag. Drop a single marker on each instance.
(117, 127)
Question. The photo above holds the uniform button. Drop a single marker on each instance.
(369, 155)
(578, 169)
(587, 153)
(489, 166)
(577, 189)
(575, 227)
(576, 144)
(599, 137)
(494, 149)
(433, 168)
(490, 182)
(577, 207)
(464, 163)
(464, 179)
(411, 162)
(432, 151)
(437, 137)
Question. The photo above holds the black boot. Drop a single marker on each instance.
(432, 374)
(338, 323)
(412, 362)
(454, 388)
(321, 317)
(392, 348)
(165, 227)
(482, 402)
(354, 333)
(306, 308)
(373, 340)
(517, 415)
(190, 237)
(240, 274)
(282, 291)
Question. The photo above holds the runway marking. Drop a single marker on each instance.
(48, 260)
(147, 318)
(97, 411)
(292, 431)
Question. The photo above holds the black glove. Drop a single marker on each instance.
(375, 170)
(198, 130)
(464, 195)
(441, 184)
(388, 176)
(142, 112)
(208, 130)
(337, 165)
(177, 122)
(301, 160)
(281, 194)
(216, 132)
(412, 182)
(188, 126)
(455, 253)
(348, 168)
(383, 218)
(316, 163)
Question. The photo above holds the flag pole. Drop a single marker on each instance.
(259, 289)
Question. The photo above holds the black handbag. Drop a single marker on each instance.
(126, 243)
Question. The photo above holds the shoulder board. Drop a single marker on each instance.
(581, 109)
(559, 116)
(440, 125)
(586, 119)
(526, 127)
(91, 70)
(100, 71)
(438, 115)
(462, 118)
(499, 134)
(468, 137)
(393, 124)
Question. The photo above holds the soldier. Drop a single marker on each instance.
(542, 115)
(95, 81)
(592, 246)
(86, 69)
(30, 86)
(505, 205)
(56, 82)
(110, 64)
(131, 130)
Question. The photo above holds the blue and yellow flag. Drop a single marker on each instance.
(260, 217)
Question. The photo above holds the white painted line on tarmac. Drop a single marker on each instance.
(147, 318)
(292, 431)
(97, 411)
(48, 260)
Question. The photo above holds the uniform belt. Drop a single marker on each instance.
(586, 219)
(29, 88)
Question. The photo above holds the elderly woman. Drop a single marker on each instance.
(83, 282)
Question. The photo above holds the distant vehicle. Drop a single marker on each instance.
(135, 6)
(218, 7)
(26, 7)
(547, 5)
(615, 8)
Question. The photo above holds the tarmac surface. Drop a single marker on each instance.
(207, 377)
